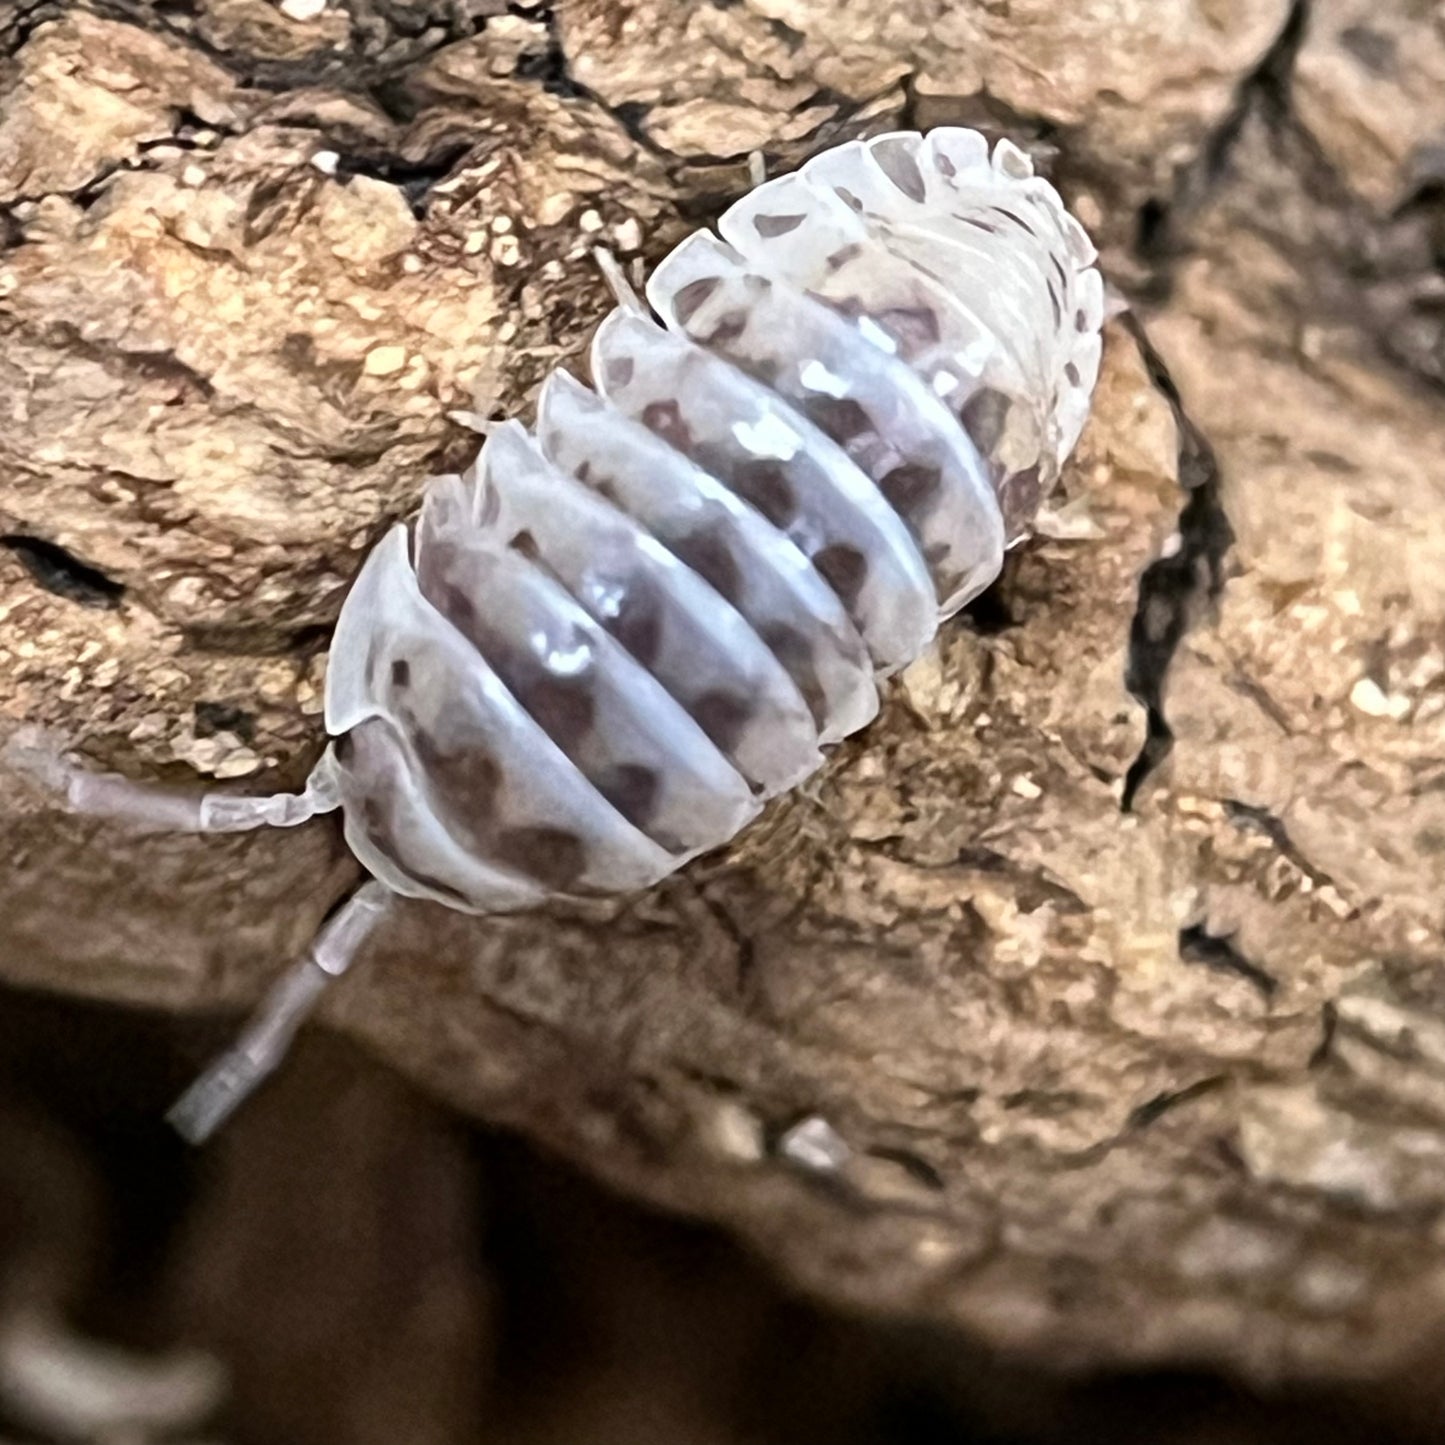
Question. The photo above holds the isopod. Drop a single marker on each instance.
(599, 652)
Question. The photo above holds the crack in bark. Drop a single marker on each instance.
(1173, 588)
(1191, 574)
(1198, 945)
(61, 572)
(1266, 91)
(1248, 815)
(1153, 1109)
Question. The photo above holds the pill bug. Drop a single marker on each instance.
(599, 652)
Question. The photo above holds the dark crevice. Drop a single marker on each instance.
(989, 613)
(548, 67)
(910, 1163)
(1174, 587)
(1198, 945)
(745, 951)
(1265, 91)
(1153, 1109)
(1329, 1026)
(61, 572)
(1247, 815)
(257, 639)
(414, 179)
(224, 717)
(20, 24)
(1035, 886)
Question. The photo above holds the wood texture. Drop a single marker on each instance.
(1103, 972)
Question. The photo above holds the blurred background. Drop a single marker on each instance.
(350, 1263)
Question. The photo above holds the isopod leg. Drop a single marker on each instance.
(623, 291)
(153, 809)
(264, 1042)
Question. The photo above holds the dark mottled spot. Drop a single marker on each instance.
(1072, 372)
(722, 716)
(638, 624)
(844, 255)
(911, 488)
(633, 790)
(766, 370)
(454, 604)
(946, 577)
(945, 165)
(765, 485)
(466, 776)
(584, 473)
(690, 298)
(728, 329)
(902, 170)
(1081, 321)
(844, 568)
(526, 544)
(552, 856)
(619, 370)
(841, 417)
(944, 571)
(665, 418)
(983, 416)
(1055, 306)
(850, 306)
(563, 707)
(1375, 50)
(795, 652)
(915, 328)
(400, 673)
(375, 819)
(848, 198)
(1019, 499)
(707, 552)
(770, 226)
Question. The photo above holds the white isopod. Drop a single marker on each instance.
(601, 651)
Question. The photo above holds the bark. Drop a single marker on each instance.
(1099, 980)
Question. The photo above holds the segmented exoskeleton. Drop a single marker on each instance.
(601, 651)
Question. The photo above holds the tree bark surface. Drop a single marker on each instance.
(1092, 999)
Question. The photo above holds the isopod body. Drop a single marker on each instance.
(603, 649)
(606, 646)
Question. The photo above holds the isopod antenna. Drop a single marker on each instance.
(143, 808)
(266, 1039)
